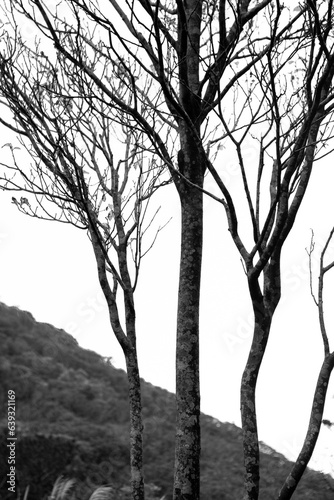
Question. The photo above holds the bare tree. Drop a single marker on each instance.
(73, 139)
(289, 100)
(191, 78)
(166, 42)
(319, 399)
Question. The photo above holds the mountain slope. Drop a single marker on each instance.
(72, 420)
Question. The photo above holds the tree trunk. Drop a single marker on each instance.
(128, 343)
(262, 322)
(311, 438)
(136, 426)
(187, 448)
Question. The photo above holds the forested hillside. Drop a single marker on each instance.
(72, 421)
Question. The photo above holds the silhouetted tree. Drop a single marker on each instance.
(187, 79)
(88, 161)
(288, 98)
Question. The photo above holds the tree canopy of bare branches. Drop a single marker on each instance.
(178, 83)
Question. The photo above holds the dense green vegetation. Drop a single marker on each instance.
(72, 420)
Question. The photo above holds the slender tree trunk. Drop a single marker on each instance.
(262, 323)
(311, 438)
(187, 450)
(136, 426)
(128, 343)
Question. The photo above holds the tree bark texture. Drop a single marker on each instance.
(136, 426)
(264, 305)
(187, 448)
(128, 344)
(319, 400)
(262, 323)
(191, 168)
(187, 452)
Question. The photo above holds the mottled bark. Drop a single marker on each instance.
(264, 305)
(191, 167)
(187, 451)
(312, 434)
(262, 323)
(136, 426)
(269, 248)
(187, 447)
(128, 343)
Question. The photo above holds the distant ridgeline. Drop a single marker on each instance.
(72, 421)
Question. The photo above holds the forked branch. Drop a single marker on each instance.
(326, 369)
